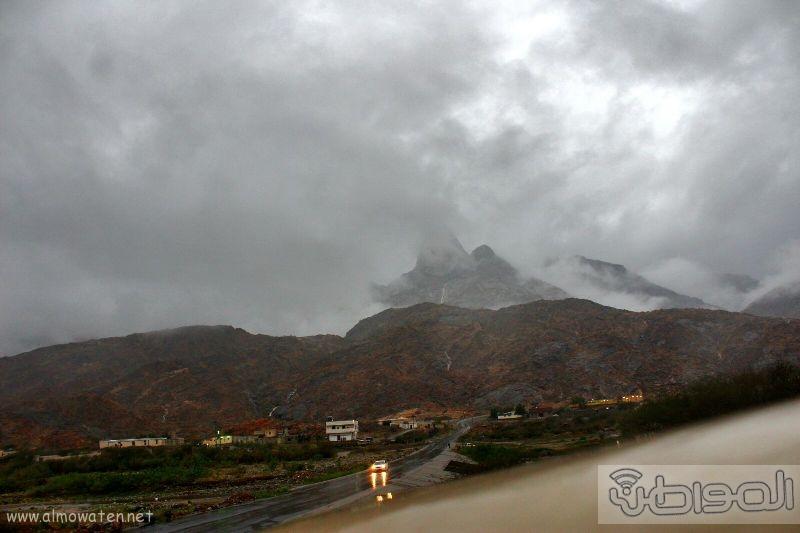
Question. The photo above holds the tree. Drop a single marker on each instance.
(520, 410)
(493, 413)
(580, 401)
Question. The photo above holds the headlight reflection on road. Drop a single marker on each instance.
(373, 479)
(380, 498)
(377, 481)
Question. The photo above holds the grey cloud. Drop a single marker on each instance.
(167, 164)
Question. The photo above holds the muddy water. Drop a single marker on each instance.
(561, 494)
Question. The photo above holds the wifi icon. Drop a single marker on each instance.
(625, 478)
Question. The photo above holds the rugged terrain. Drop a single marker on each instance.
(191, 380)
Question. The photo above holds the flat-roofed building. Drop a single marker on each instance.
(228, 440)
(341, 430)
(141, 442)
(411, 423)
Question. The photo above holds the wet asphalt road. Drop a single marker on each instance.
(304, 500)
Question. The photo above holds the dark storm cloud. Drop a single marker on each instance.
(173, 163)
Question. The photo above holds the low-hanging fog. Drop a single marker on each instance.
(260, 163)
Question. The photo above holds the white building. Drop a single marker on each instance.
(410, 423)
(341, 430)
(511, 415)
(144, 441)
(228, 440)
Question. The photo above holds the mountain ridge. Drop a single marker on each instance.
(191, 381)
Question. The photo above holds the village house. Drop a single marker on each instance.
(341, 430)
(421, 424)
(511, 415)
(265, 430)
(228, 440)
(141, 442)
(268, 433)
(406, 423)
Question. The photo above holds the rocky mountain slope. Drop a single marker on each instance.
(446, 273)
(186, 380)
(781, 301)
(191, 380)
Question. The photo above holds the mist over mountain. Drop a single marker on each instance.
(446, 274)
(741, 283)
(720, 288)
(613, 284)
(781, 301)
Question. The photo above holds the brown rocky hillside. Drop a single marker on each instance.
(191, 380)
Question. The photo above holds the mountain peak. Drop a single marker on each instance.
(443, 254)
(483, 252)
(446, 274)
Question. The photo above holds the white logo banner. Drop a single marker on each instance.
(697, 494)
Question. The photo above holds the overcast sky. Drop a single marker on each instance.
(259, 164)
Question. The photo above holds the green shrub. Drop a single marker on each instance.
(123, 469)
(493, 456)
(97, 483)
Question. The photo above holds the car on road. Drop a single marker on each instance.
(379, 465)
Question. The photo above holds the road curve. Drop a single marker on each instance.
(305, 500)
